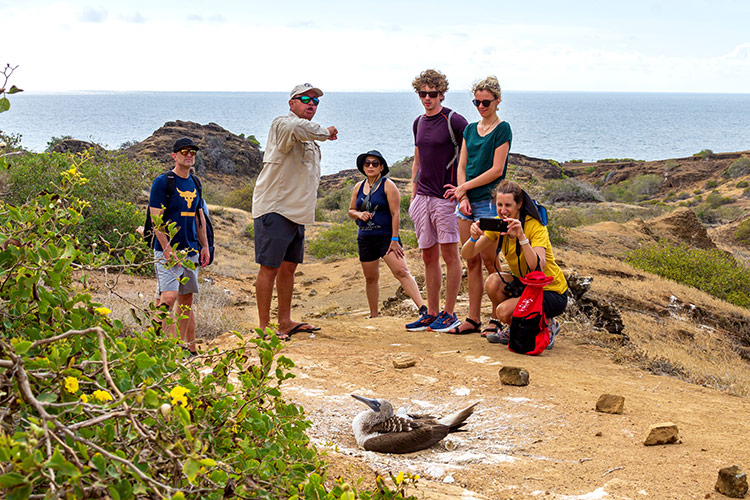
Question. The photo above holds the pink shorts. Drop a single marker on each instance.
(434, 219)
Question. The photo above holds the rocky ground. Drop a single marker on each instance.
(542, 440)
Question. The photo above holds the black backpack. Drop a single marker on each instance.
(148, 227)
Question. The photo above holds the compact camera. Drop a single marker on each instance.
(492, 224)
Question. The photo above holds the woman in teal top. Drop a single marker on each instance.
(481, 166)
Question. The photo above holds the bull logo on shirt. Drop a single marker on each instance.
(189, 196)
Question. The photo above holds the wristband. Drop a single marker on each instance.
(524, 242)
(394, 238)
(475, 240)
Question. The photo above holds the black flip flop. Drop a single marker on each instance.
(457, 330)
(299, 328)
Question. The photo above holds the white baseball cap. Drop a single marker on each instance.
(304, 87)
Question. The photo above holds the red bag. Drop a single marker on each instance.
(528, 327)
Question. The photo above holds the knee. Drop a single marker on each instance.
(504, 312)
(371, 279)
(401, 273)
(473, 262)
(430, 256)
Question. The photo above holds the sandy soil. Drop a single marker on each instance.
(543, 440)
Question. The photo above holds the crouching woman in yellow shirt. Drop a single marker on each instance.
(526, 247)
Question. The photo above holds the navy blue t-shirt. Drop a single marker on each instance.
(181, 210)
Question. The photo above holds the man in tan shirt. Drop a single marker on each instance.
(284, 201)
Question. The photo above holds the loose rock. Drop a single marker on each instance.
(511, 375)
(610, 403)
(404, 361)
(732, 482)
(665, 433)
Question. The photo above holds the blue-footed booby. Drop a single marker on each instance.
(379, 429)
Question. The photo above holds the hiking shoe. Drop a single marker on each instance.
(554, 329)
(445, 322)
(499, 337)
(423, 323)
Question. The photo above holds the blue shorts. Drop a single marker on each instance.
(484, 208)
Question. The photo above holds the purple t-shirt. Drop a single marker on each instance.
(432, 138)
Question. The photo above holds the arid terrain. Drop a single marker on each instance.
(676, 361)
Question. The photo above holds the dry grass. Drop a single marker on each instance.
(661, 318)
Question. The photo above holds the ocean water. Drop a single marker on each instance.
(558, 125)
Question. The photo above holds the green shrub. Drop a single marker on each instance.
(634, 190)
(590, 169)
(713, 271)
(583, 215)
(111, 184)
(338, 199)
(241, 198)
(54, 141)
(402, 168)
(705, 154)
(570, 190)
(742, 184)
(616, 160)
(249, 231)
(715, 199)
(409, 238)
(338, 241)
(92, 410)
(738, 168)
(558, 233)
(406, 222)
(575, 161)
(742, 233)
(710, 184)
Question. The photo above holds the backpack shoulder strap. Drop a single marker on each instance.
(419, 122)
(453, 140)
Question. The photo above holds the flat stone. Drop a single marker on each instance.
(404, 361)
(732, 482)
(512, 375)
(610, 403)
(664, 433)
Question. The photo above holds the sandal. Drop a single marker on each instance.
(495, 325)
(474, 328)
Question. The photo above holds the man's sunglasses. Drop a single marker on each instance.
(374, 163)
(307, 99)
(187, 152)
(486, 102)
(425, 93)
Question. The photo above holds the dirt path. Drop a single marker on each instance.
(543, 440)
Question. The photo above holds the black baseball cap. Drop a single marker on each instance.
(184, 143)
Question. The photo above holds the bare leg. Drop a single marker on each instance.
(475, 278)
(452, 274)
(400, 270)
(264, 293)
(433, 278)
(284, 290)
(186, 322)
(371, 271)
(168, 323)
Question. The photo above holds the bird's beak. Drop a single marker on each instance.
(372, 403)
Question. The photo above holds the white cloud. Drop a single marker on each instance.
(91, 15)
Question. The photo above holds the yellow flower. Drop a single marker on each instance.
(178, 395)
(103, 311)
(73, 170)
(102, 396)
(84, 398)
(71, 384)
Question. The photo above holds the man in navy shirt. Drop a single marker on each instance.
(181, 207)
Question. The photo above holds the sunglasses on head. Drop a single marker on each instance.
(374, 163)
(306, 99)
(425, 93)
(187, 152)
(485, 102)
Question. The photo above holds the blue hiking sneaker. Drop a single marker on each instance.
(423, 323)
(445, 322)
(554, 329)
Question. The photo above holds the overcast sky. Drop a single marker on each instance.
(636, 45)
